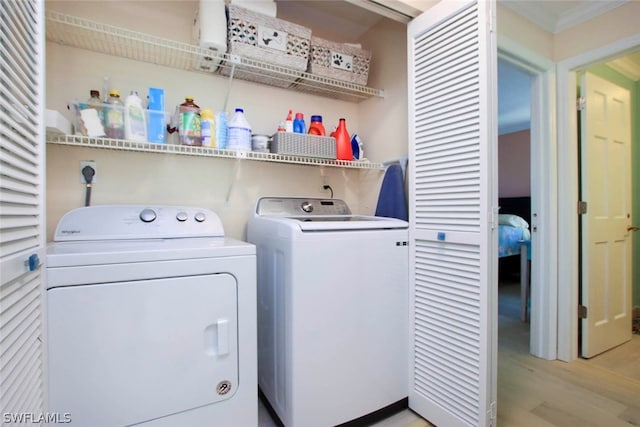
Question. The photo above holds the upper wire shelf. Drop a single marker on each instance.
(127, 145)
(104, 38)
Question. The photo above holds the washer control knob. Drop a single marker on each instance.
(148, 215)
(182, 216)
(200, 217)
(307, 207)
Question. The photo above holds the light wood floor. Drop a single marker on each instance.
(602, 391)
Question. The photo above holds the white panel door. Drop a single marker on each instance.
(22, 233)
(606, 241)
(453, 206)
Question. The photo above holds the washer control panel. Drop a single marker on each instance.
(296, 206)
(112, 222)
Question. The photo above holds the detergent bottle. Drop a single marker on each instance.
(343, 141)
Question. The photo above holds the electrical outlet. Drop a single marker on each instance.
(92, 164)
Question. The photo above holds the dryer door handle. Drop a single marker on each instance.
(216, 338)
(223, 336)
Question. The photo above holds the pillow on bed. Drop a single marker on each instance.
(512, 220)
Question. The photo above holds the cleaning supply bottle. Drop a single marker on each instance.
(316, 127)
(239, 132)
(156, 120)
(114, 116)
(96, 103)
(343, 141)
(189, 122)
(91, 123)
(288, 123)
(298, 124)
(208, 128)
(221, 129)
(135, 122)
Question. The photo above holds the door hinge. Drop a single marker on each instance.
(493, 413)
(581, 103)
(492, 20)
(582, 312)
(582, 207)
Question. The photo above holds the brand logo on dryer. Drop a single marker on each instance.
(70, 232)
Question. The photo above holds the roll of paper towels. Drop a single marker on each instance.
(210, 31)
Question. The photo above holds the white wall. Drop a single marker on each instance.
(617, 24)
(146, 178)
(514, 164)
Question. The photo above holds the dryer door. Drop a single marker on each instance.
(123, 353)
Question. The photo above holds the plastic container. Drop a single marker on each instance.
(222, 123)
(316, 127)
(260, 143)
(114, 116)
(288, 123)
(96, 103)
(156, 121)
(135, 122)
(208, 128)
(90, 116)
(299, 125)
(239, 132)
(189, 131)
(343, 141)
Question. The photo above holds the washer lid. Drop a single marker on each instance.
(347, 222)
(116, 222)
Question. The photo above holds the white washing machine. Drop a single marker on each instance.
(332, 310)
(151, 319)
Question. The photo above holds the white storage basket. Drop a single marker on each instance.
(260, 37)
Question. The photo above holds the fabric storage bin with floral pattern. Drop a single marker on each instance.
(339, 61)
(253, 35)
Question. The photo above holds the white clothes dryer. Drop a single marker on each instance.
(151, 319)
(333, 311)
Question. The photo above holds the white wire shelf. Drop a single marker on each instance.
(126, 145)
(108, 39)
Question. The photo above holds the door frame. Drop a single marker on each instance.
(544, 181)
(568, 188)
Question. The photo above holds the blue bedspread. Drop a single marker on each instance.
(509, 239)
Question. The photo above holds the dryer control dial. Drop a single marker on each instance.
(182, 216)
(200, 217)
(148, 215)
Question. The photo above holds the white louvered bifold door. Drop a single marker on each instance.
(22, 233)
(453, 188)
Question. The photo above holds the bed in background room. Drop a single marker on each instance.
(513, 230)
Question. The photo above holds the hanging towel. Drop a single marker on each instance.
(392, 201)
